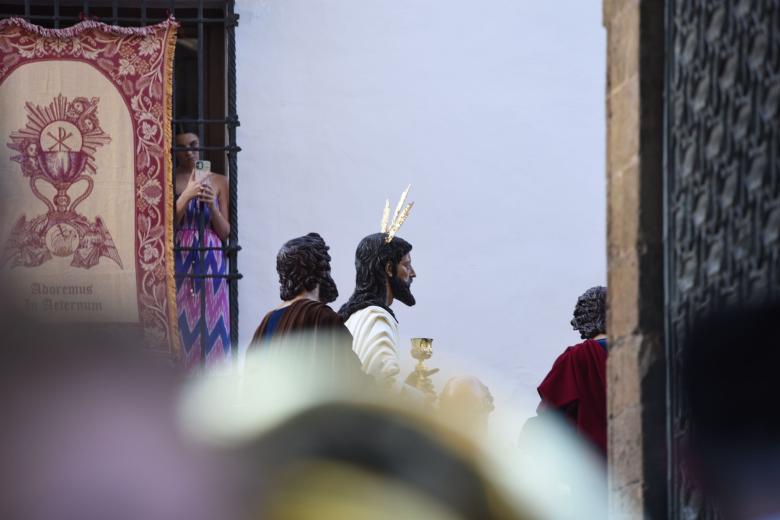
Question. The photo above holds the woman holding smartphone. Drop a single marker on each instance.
(201, 195)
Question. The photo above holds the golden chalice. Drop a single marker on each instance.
(420, 378)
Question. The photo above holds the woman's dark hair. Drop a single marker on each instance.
(186, 128)
(371, 257)
(302, 264)
(590, 313)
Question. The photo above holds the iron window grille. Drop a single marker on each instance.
(208, 31)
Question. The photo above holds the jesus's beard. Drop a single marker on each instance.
(402, 291)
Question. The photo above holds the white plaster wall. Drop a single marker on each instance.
(493, 110)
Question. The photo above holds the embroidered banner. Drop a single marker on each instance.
(85, 174)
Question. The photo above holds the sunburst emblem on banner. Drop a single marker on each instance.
(58, 146)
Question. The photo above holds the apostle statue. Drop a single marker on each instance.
(304, 322)
(576, 386)
(384, 274)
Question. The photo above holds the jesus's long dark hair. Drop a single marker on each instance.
(371, 257)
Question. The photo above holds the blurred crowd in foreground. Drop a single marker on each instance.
(94, 429)
(97, 428)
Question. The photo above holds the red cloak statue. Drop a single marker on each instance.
(576, 386)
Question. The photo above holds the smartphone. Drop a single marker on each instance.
(202, 170)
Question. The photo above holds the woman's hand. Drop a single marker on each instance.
(192, 190)
(207, 194)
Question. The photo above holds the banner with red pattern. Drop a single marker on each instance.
(85, 174)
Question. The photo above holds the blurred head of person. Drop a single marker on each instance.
(466, 403)
(89, 430)
(730, 379)
(358, 461)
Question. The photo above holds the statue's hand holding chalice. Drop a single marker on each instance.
(417, 379)
(422, 349)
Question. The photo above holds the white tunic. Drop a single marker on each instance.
(375, 341)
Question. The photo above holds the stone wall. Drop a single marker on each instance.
(636, 367)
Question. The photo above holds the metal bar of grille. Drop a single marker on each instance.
(56, 14)
(230, 28)
(115, 12)
(229, 249)
(212, 275)
(204, 148)
(223, 121)
(201, 215)
(115, 19)
(143, 13)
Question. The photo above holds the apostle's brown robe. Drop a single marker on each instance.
(316, 336)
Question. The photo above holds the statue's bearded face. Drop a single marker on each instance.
(401, 282)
